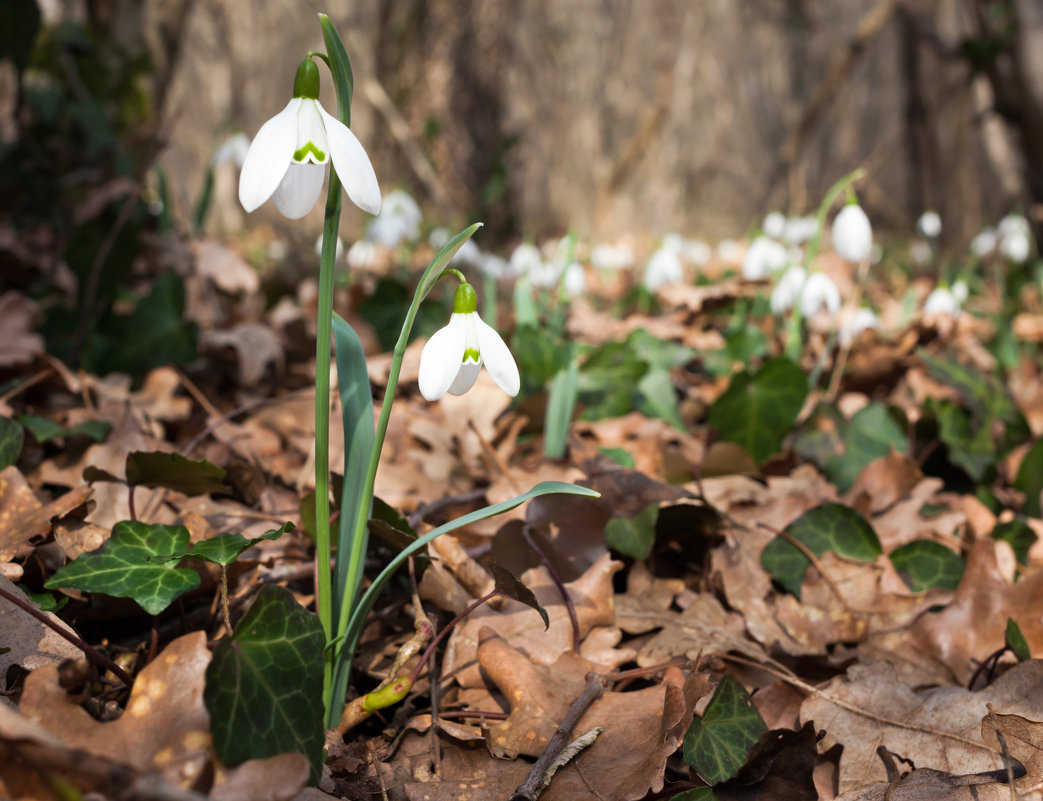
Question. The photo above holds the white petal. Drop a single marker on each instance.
(497, 357)
(299, 189)
(269, 157)
(352, 164)
(442, 358)
(465, 379)
(311, 129)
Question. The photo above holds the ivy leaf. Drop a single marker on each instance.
(175, 472)
(43, 428)
(869, 434)
(130, 565)
(924, 564)
(226, 548)
(11, 435)
(264, 684)
(1019, 535)
(635, 536)
(759, 408)
(717, 744)
(829, 527)
(508, 584)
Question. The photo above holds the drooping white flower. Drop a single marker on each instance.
(612, 257)
(398, 221)
(855, 324)
(852, 234)
(288, 157)
(454, 355)
(942, 301)
(492, 265)
(362, 255)
(763, 257)
(774, 225)
(960, 291)
(525, 259)
(664, 267)
(800, 230)
(787, 290)
(697, 253)
(1014, 238)
(819, 293)
(929, 225)
(232, 150)
(729, 251)
(575, 280)
(984, 243)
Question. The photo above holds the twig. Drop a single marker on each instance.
(556, 578)
(494, 457)
(224, 600)
(538, 778)
(811, 557)
(33, 379)
(90, 651)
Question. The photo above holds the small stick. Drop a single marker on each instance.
(224, 600)
(90, 651)
(539, 776)
(571, 607)
(810, 555)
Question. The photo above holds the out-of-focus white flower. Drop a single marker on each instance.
(819, 293)
(852, 234)
(287, 159)
(545, 274)
(1015, 241)
(232, 151)
(729, 251)
(612, 257)
(800, 230)
(855, 324)
(362, 255)
(492, 265)
(960, 291)
(398, 221)
(942, 301)
(929, 225)
(674, 242)
(763, 257)
(920, 252)
(453, 356)
(575, 280)
(697, 253)
(664, 267)
(787, 290)
(774, 224)
(984, 243)
(525, 259)
(277, 250)
(339, 251)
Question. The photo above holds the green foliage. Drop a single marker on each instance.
(924, 564)
(869, 435)
(226, 548)
(44, 429)
(130, 565)
(695, 794)
(759, 407)
(1030, 479)
(717, 744)
(46, 601)
(1016, 641)
(264, 683)
(829, 527)
(386, 308)
(561, 402)
(633, 537)
(742, 345)
(11, 436)
(1019, 535)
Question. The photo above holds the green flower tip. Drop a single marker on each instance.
(465, 301)
(306, 84)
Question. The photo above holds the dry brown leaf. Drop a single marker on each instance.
(938, 728)
(1022, 739)
(256, 350)
(19, 342)
(884, 481)
(276, 778)
(23, 517)
(903, 523)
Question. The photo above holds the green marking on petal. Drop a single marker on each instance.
(465, 300)
(471, 355)
(302, 153)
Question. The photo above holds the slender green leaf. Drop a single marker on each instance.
(759, 408)
(717, 744)
(441, 261)
(43, 428)
(829, 527)
(561, 402)
(129, 565)
(340, 68)
(175, 472)
(924, 564)
(264, 684)
(1030, 479)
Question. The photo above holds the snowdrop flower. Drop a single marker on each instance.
(288, 157)
(942, 301)
(984, 243)
(786, 291)
(697, 253)
(960, 291)
(920, 252)
(232, 151)
(398, 221)
(1014, 242)
(729, 251)
(525, 259)
(453, 356)
(612, 257)
(362, 255)
(800, 230)
(861, 320)
(664, 267)
(819, 293)
(774, 225)
(929, 225)
(763, 257)
(575, 280)
(852, 234)
(492, 265)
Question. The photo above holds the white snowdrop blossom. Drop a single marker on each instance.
(398, 221)
(929, 225)
(1014, 238)
(729, 251)
(774, 225)
(800, 230)
(697, 253)
(960, 291)
(454, 355)
(492, 265)
(787, 290)
(612, 257)
(232, 151)
(984, 243)
(852, 234)
(575, 280)
(664, 267)
(942, 301)
(287, 159)
(362, 255)
(820, 292)
(763, 257)
(862, 320)
(525, 259)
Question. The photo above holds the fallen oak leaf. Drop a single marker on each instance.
(23, 517)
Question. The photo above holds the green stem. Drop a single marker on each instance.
(323, 588)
